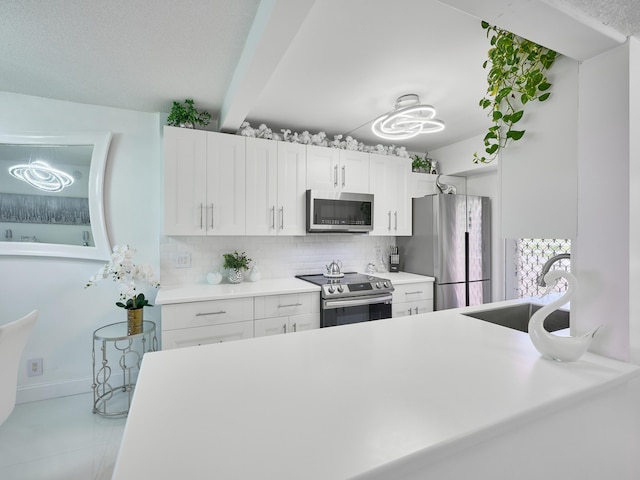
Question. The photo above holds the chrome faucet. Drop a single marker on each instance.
(547, 266)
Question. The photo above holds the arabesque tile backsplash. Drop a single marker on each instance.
(276, 257)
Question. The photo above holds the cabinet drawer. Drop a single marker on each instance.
(190, 337)
(412, 292)
(286, 305)
(200, 314)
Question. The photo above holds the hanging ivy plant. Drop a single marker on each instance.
(516, 77)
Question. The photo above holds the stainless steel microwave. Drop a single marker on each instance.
(339, 212)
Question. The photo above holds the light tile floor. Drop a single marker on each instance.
(59, 439)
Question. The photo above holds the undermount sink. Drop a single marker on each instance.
(517, 317)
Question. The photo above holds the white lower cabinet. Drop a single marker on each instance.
(288, 313)
(199, 323)
(412, 299)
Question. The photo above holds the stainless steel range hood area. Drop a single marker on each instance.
(339, 212)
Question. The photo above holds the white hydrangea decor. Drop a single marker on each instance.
(320, 139)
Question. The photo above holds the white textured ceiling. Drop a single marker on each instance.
(330, 65)
(621, 15)
(134, 54)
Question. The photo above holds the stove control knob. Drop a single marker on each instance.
(331, 289)
(378, 285)
(386, 284)
(340, 288)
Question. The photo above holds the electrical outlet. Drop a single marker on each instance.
(182, 260)
(34, 367)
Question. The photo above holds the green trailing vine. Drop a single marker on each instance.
(516, 77)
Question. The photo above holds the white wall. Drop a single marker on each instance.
(602, 250)
(68, 313)
(634, 198)
(539, 172)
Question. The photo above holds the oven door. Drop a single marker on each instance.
(354, 309)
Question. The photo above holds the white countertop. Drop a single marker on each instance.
(344, 401)
(402, 278)
(203, 292)
(276, 286)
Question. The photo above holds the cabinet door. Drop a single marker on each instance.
(292, 180)
(225, 184)
(398, 171)
(322, 168)
(271, 326)
(411, 308)
(278, 325)
(262, 186)
(354, 171)
(190, 337)
(380, 187)
(185, 187)
(307, 321)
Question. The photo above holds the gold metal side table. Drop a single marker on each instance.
(111, 394)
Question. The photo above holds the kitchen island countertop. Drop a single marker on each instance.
(399, 398)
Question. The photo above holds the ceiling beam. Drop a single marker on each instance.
(550, 23)
(276, 24)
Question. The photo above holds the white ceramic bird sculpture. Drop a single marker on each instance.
(563, 349)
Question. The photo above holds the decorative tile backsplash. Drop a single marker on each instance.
(276, 257)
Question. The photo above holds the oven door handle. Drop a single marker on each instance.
(356, 302)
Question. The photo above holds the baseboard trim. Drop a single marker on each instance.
(45, 391)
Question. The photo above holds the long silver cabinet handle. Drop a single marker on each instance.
(212, 216)
(389, 220)
(295, 327)
(344, 175)
(413, 293)
(284, 328)
(396, 215)
(410, 312)
(416, 310)
(281, 218)
(201, 221)
(335, 175)
(210, 313)
(356, 301)
(273, 217)
(290, 305)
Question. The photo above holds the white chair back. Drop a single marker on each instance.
(13, 338)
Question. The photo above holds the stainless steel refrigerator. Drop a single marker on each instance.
(452, 242)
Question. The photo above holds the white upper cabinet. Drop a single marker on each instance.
(331, 169)
(275, 187)
(204, 183)
(185, 181)
(389, 181)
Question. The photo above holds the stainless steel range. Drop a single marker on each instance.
(351, 297)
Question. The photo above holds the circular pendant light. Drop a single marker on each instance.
(408, 119)
(40, 175)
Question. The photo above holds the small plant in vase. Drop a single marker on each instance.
(421, 164)
(185, 115)
(235, 263)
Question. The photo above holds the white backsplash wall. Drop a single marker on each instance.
(276, 257)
